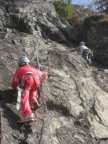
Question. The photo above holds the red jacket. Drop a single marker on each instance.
(36, 73)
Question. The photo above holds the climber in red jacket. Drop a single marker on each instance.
(29, 79)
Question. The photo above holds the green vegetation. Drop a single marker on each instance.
(69, 11)
(64, 8)
(73, 14)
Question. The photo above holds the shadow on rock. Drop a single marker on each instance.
(59, 108)
(8, 99)
(12, 118)
(8, 96)
(82, 121)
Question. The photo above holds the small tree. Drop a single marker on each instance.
(60, 8)
(64, 8)
(69, 11)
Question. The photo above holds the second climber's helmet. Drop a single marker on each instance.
(82, 43)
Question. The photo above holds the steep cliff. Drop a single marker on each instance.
(76, 110)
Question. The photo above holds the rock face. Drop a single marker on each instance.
(96, 34)
(76, 110)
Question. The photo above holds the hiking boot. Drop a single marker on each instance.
(28, 118)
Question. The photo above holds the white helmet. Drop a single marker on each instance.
(23, 60)
(82, 43)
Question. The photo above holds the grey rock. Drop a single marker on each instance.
(76, 110)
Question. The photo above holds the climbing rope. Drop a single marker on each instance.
(1, 126)
(36, 48)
